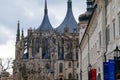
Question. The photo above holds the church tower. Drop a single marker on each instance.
(45, 25)
(90, 5)
(67, 46)
(84, 18)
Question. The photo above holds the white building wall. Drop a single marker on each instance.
(97, 24)
(85, 62)
(113, 11)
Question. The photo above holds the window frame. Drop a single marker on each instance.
(100, 39)
(114, 29)
(61, 68)
(119, 23)
(69, 65)
(70, 76)
(107, 35)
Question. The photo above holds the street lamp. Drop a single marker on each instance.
(89, 69)
(117, 62)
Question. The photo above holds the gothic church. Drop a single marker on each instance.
(48, 53)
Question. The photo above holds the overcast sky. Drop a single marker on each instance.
(30, 14)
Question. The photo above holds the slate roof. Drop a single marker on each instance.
(45, 25)
(69, 21)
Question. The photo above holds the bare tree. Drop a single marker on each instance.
(5, 64)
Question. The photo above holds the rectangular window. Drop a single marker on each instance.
(114, 30)
(100, 39)
(107, 35)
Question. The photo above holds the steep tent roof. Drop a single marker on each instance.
(69, 21)
(45, 25)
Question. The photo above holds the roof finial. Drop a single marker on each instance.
(18, 24)
(45, 6)
(69, 3)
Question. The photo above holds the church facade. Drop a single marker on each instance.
(48, 53)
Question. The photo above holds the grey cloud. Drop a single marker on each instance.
(30, 13)
(3, 39)
(5, 34)
(12, 11)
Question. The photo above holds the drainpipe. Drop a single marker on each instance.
(88, 49)
(106, 31)
(89, 65)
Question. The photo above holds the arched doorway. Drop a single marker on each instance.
(61, 79)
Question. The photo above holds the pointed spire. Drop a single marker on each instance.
(46, 10)
(22, 35)
(18, 32)
(69, 3)
(45, 25)
(69, 20)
